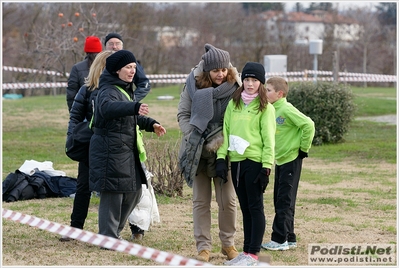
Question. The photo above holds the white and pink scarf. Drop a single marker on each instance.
(247, 98)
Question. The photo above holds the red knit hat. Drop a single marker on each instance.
(93, 45)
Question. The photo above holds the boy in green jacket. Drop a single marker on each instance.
(294, 136)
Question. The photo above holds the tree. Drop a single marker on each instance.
(387, 13)
(260, 7)
(369, 39)
(299, 7)
(170, 37)
(325, 6)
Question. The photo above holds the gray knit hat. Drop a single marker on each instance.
(118, 60)
(254, 69)
(215, 58)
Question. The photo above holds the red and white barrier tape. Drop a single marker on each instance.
(8, 86)
(34, 71)
(184, 76)
(181, 78)
(102, 241)
(105, 241)
(392, 79)
(159, 76)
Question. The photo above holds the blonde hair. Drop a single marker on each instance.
(279, 84)
(96, 69)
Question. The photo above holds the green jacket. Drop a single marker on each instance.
(294, 131)
(256, 128)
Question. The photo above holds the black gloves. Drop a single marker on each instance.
(221, 169)
(302, 154)
(263, 177)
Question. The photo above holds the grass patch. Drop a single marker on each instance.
(385, 192)
(364, 141)
(390, 229)
(332, 219)
(324, 179)
(383, 207)
(333, 201)
(372, 101)
(374, 106)
(375, 92)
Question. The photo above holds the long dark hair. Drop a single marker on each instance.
(90, 58)
(261, 94)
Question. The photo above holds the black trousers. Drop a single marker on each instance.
(250, 196)
(82, 197)
(286, 182)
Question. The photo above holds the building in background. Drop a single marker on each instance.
(302, 27)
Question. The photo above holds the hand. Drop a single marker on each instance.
(302, 154)
(159, 130)
(221, 169)
(263, 177)
(143, 110)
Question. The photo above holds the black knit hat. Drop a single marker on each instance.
(118, 60)
(112, 35)
(254, 69)
(215, 58)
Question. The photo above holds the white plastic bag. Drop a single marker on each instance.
(146, 212)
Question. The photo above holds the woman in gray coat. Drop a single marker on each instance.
(202, 104)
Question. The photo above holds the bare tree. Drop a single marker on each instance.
(170, 37)
(369, 39)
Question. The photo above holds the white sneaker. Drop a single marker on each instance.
(247, 260)
(236, 259)
(292, 245)
(275, 246)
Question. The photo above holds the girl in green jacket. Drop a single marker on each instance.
(248, 129)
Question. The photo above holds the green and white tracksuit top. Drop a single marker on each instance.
(249, 133)
(294, 131)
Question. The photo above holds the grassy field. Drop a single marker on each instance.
(347, 193)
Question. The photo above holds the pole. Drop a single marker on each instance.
(335, 66)
(315, 68)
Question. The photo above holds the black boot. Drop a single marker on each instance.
(137, 233)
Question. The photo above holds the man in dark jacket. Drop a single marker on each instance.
(114, 41)
(114, 162)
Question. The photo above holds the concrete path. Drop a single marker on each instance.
(389, 118)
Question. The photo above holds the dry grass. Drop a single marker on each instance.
(357, 216)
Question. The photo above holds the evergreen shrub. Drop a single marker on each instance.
(330, 105)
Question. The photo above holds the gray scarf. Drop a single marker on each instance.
(208, 104)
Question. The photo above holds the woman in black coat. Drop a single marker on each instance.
(115, 168)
